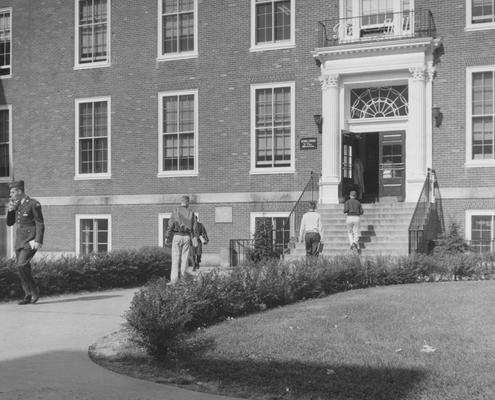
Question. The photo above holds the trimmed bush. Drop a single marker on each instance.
(161, 313)
(69, 274)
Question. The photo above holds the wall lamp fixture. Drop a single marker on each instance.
(318, 121)
(437, 115)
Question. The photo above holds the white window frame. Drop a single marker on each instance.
(79, 217)
(273, 170)
(179, 55)
(9, 239)
(469, 120)
(161, 217)
(98, 64)
(271, 214)
(103, 175)
(11, 154)
(285, 44)
(179, 173)
(2, 10)
(476, 27)
(468, 221)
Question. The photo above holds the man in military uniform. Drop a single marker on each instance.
(26, 212)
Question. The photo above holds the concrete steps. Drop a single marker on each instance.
(384, 230)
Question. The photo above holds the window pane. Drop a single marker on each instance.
(186, 32)
(264, 23)
(5, 38)
(481, 232)
(93, 142)
(170, 34)
(93, 30)
(282, 20)
(169, 6)
(170, 109)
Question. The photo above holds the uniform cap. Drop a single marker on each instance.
(16, 185)
(353, 193)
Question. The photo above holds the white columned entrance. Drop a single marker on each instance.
(330, 178)
(416, 136)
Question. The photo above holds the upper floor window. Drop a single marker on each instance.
(272, 121)
(92, 33)
(5, 42)
(5, 142)
(178, 133)
(177, 29)
(481, 115)
(273, 23)
(93, 234)
(93, 138)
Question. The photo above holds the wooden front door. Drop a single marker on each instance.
(392, 169)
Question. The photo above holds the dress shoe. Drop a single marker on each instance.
(26, 300)
(36, 296)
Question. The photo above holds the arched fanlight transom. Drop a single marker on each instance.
(381, 102)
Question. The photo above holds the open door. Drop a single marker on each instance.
(347, 182)
(392, 164)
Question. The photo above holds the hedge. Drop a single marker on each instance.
(69, 274)
(160, 313)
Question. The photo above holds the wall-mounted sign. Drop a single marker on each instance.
(223, 215)
(308, 143)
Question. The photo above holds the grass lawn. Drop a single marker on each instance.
(358, 345)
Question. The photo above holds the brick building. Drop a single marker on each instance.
(111, 110)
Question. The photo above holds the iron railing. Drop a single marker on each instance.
(271, 241)
(427, 220)
(377, 27)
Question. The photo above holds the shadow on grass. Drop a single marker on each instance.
(293, 379)
(82, 298)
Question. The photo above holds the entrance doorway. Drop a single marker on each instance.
(373, 164)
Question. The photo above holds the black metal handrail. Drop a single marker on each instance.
(427, 220)
(375, 27)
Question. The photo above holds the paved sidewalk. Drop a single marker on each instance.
(44, 351)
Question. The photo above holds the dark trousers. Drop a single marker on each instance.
(312, 240)
(23, 258)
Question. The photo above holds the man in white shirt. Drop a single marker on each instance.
(311, 230)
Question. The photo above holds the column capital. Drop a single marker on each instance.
(418, 73)
(329, 81)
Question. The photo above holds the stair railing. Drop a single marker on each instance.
(427, 221)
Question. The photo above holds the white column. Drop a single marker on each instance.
(416, 151)
(330, 153)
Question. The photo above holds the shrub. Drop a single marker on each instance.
(69, 274)
(161, 313)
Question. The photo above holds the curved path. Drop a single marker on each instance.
(44, 351)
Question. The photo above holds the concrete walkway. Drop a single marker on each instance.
(44, 351)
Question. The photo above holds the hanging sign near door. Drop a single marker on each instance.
(308, 143)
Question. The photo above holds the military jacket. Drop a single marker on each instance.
(30, 223)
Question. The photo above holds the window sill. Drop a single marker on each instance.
(177, 174)
(6, 76)
(479, 27)
(480, 164)
(272, 171)
(92, 65)
(178, 56)
(5, 179)
(90, 177)
(272, 46)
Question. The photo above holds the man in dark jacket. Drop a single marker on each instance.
(354, 210)
(26, 212)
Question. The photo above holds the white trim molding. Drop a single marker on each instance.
(273, 170)
(97, 64)
(470, 162)
(470, 26)
(91, 176)
(177, 55)
(273, 45)
(161, 217)
(8, 107)
(178, 173)
(468, 220)
(79, 217)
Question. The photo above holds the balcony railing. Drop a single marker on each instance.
(377, 27)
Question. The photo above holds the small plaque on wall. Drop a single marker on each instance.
(308, 143)
(223, 215)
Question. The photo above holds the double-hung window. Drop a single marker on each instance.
(178, 133)
(272, 127)
(272, 230)
(177, 29)
(5, 142)
(480, 116)
(93, 234)
(480, 230)
(92, 33)
(93, 138)
(272, 24)
(480, 14)
(5, 42)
